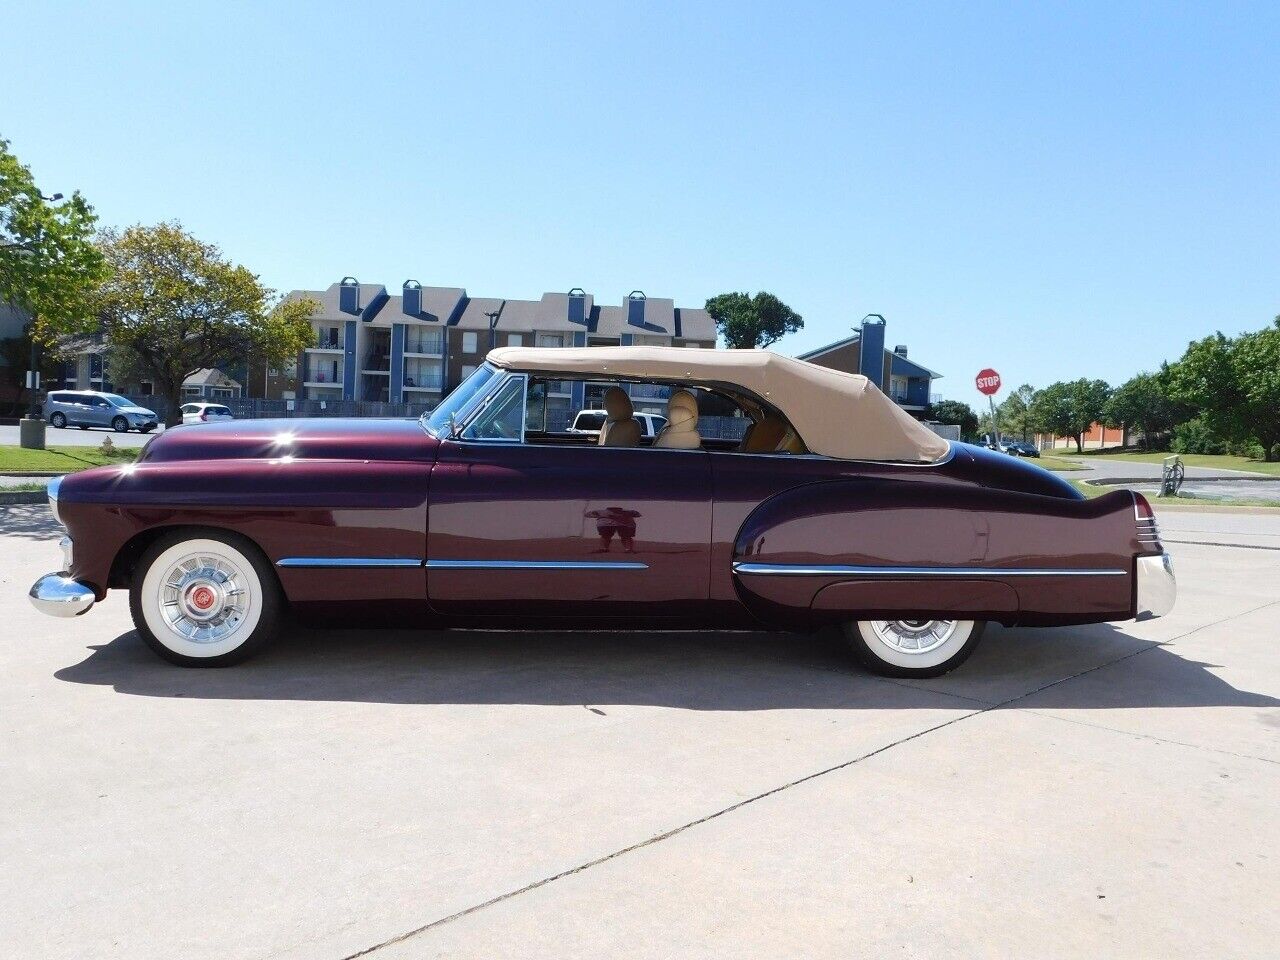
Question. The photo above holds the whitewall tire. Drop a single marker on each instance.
(913, 648)
(204, 598)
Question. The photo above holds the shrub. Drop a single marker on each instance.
(1194, 436)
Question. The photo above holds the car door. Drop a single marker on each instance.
(99, 411)
(574, 531)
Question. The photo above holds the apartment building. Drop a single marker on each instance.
(418, 345)
(907, 382)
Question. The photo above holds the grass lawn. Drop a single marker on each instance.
(1089, 490)
(64, 459)
(1219, 462)
(1057, 464)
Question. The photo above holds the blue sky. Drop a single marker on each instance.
(1054, 190)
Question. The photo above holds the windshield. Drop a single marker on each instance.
(118, 401)
(437, 421)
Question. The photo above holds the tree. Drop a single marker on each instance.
(1235, 384)
(1014, 412)
(173, 305)
(1145, 402)
(48, 263)
(746, 321)
(954, 411)
(1068, 409)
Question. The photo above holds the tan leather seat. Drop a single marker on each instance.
(770, 434)
(621, 428)
(763, 436)
(681, 431)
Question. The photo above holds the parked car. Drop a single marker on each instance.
(476, 516)
(591, 422)
(202, 412)
(91, 408)
(1020, 448)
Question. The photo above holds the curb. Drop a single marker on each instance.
(1115, 481)
(34, 473)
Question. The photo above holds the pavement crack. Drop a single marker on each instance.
(657, 838)
(1219, 543)
(1149, 736)
(682, 828)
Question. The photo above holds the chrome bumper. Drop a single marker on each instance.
(59, 596)
(1157, 587)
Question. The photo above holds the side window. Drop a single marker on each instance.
(502, 417)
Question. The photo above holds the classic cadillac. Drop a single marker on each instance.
(835, 507)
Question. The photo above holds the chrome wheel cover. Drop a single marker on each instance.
(914, 637)
(203, 599)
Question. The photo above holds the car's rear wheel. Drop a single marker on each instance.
(120, 425)
(913, 648)
(204, 598)
(58, 420)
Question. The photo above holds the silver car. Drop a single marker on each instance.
(91, 408)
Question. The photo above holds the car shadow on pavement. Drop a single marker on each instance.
(697, 671)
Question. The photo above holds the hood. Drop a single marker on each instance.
(321, 438)
(143, 410)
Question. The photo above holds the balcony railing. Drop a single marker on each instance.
(323, 375)
(432, 344)
(324, 341)
(423, 383)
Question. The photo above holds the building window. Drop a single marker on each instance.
(468, 368)
(469, 342)
(550, 340)
(515, 340)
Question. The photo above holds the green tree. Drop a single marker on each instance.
(1068, 409)
(1014, 413)
(173, 305)
(1146, 403)
(48, 263)
(746, 321)
(1235, 384)
(954, 411)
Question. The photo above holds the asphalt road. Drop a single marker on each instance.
(75, 437)
(1078, 792)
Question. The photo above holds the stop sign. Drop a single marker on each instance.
(987, 381)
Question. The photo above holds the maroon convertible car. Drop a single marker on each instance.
(835, 507)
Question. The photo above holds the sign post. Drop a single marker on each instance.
(988, 383)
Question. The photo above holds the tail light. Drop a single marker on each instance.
(1145, 519)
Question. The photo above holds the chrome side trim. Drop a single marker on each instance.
(849, 570)
(535, 565)
(334, 563)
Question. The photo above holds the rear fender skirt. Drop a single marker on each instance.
(892, 599)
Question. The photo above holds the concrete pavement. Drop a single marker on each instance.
(1104, 790)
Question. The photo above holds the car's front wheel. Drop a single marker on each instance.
(204, 598)
(913, 648)
(58, 420)
(120, 425)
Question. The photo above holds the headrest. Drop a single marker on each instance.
(617, 404)
(682, 410)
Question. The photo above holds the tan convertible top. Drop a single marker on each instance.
(836, 414)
